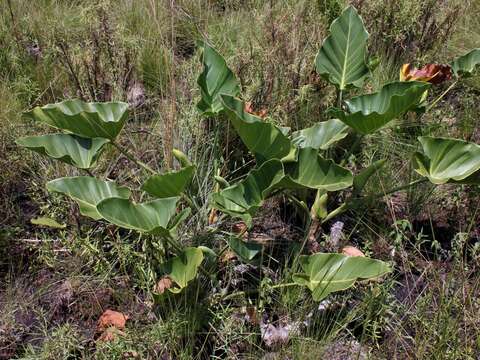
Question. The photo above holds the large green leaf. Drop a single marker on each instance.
(245, 197)
(71, 149)
(448, 160)
(149, 217)
(341, 59)
(170, 184)
(265, 140)
(215, 79)
(327, 273)
(93, 120)
(321, 135)
(246, 251)
(314, 172)
(183, 268)
(466, 64)
(88, 192)
(368, 113)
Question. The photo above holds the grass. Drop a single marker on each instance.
(55, 284)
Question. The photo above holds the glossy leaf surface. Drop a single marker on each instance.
(326, 273)
(92, 120)
(169, 184)
(71, 149)
(215, 79)
(368, 113)
(88, 192)
(321, 135)
(183, 268)
(341, 59)
(149, 217)
(265, 140)
(448, 160)
(314, 172)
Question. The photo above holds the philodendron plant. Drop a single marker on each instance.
(286, 161)
(290, 161)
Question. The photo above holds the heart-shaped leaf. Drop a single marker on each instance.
(341, 59)
(321, 135)
(92, 120)
(265, 140)
(466, 64)
(71, 149)
(314, 172)
(215, 79)
(245, 197)
(183, 268)
(149, 217)
(170, 184)
(327, 273)
(88, 192)
(368, 113)
(448, 160)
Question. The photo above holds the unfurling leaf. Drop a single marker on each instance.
(341, 59)
(432, 73)
(326, 273)
(448, 160)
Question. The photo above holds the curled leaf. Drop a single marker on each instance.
(432, 73)
(163, 284)
(260, 113)
(352, 251)
(111, 318)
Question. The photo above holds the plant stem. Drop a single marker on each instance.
(441, 96)
(133, 159)
(342, 208)
(398, 188)
(254, 291)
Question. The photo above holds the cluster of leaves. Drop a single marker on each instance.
(285, 161)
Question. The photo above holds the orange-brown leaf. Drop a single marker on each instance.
(260, 113)
(432, 73)
(111, 318)
(352, 251)
(163, 284)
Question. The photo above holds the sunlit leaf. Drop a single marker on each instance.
(265, 140)
(314, 172)
(341, 59)
(88, 192)
(448, 160)
(368, 113)
(169, 184)
(327, 273)
(466, 64)
(432, 73)
(71, 149)
(322, 135)
(149, 217)
(215, 79)
(183, 268)
(92, 120)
